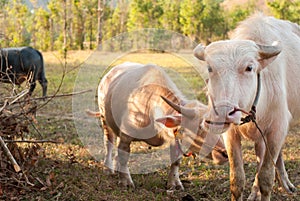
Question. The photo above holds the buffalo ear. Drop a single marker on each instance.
(199, 52)
(268, 53)
(170, 121)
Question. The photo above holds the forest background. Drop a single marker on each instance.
(64, 168)
(51, 25)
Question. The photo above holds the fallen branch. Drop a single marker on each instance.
(10, 156)
(32, 141)
(56, 96)
(22, 94)
(62, 95)
(15, 99)
(4, 105)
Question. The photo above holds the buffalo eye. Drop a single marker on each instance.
(209, 69)
(249, 68)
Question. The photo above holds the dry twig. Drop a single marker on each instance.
(32, 141)
(10, 156)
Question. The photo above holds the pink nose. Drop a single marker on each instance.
(227, 113)
(224, 110)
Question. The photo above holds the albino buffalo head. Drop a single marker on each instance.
(191, 116)
(232, 66)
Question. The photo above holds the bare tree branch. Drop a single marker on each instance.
(50, 97)
(10, 156)
(4, 105)
(33, 141)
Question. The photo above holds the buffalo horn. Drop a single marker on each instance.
(269, 51)
(188, 112)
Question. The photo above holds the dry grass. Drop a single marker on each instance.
(68, 172)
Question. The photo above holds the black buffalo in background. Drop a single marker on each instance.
(20, 64)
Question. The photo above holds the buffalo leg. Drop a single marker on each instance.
(109, 140)
(173, 178)
(44, 84)
(32, 87)
(282, 176)
(123, 157)
(266, 175)
(232, 141)
(260, 152)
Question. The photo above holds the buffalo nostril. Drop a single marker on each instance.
(224, 154)
(233, 111)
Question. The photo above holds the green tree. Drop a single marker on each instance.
(212, 21)
(61, 15)
(16, 28)
(285, 9)
(116, 24)
(77, 23)
(144, 14)
(56, 24)
(90, 30)
(190, 18)
(83, 23)
(170, 19)
(238, 14)
(40, 34)
(3, 17)
(2, 4)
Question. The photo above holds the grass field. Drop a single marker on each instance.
(68, 171)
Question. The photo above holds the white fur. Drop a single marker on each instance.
(129, 98)
(278, 100)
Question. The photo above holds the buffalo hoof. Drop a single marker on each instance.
(288, 187)
(108, 171)
(188, 198)
(255, 194)
(109, 167)
(175, 186)
(126, 181)
(126, 184)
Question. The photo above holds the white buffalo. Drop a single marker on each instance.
(131, 108)
(270, 48)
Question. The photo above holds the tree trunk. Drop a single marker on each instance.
(100, 23)
(65, 30)
(51, 34)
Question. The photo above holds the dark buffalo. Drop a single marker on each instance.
(20, 64)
